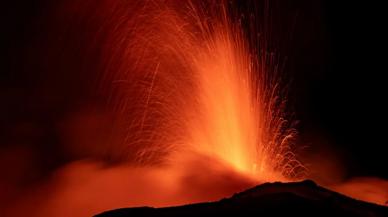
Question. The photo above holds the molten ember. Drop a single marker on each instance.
(194, 109)
(190, 81)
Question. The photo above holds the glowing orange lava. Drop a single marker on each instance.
(198, 111)
(193, 109)
(190, 82)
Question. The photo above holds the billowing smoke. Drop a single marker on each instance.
(149, 103)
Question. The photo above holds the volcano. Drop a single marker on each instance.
(295, 198)
(175, 105)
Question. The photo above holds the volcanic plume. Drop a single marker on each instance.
(186, 102)
(189, 81)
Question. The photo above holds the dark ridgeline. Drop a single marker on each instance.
(270, 199)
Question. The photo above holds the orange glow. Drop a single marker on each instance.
(190, 82)
(194, 112)
(373, 190)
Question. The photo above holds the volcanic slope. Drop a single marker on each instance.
(270, 199)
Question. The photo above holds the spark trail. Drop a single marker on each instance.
(213, 91)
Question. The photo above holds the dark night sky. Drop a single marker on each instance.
(348, 101)
(336, 58)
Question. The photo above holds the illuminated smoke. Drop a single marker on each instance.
(196, 111)
(190, 80)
